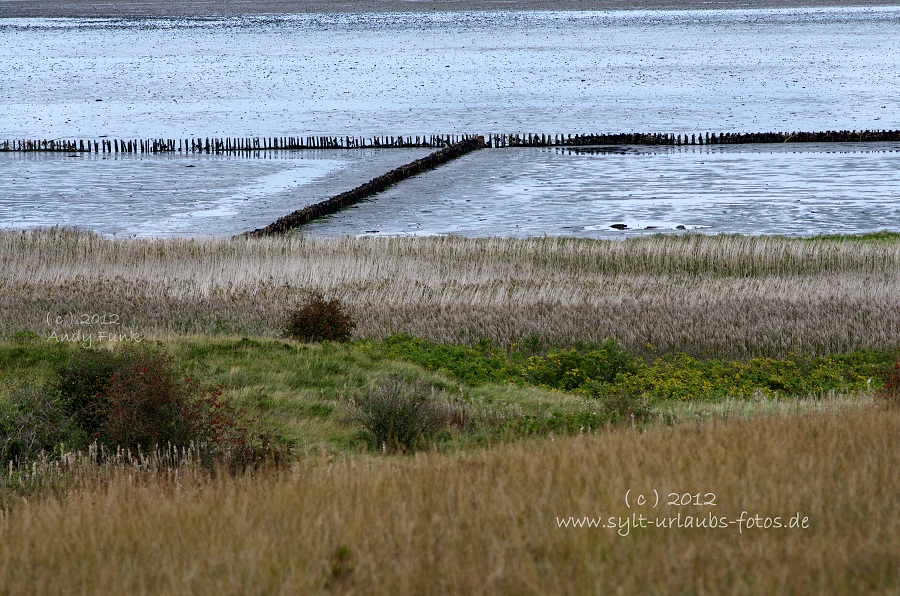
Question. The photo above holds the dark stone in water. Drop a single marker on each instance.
(619, 226)
(680, 228)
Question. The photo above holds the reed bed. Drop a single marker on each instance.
(61, 474)
(720, 296)
(482, 522)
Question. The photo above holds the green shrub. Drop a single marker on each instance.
(83, 381)
(564, 369)
(397, 414)
(533, 344)
(473, 366)
(33, 421)
(682, 377)
(570, 369)
(320, 320)
(618, 404)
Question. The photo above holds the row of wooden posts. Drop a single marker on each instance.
(252, 144)
(729, 138)
(229, 144)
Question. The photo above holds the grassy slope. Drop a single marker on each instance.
(295, 389)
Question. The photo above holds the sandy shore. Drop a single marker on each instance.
(174, 8)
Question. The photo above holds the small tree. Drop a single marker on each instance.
(320, 320)
(136, 399)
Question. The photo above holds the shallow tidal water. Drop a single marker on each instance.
(441, 73)
(624, 191)
(518, 192)
(178, 195)
(452, 72)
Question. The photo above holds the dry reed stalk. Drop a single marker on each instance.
(486, 522)
(727, 296)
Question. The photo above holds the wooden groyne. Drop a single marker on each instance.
(251, 145)
(372, 187)
(672, 139)
(226, 145)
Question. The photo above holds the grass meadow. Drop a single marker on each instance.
(742, 380)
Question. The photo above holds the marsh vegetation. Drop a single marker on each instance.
(489, 388)
(733, 296)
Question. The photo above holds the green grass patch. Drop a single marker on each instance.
(869, 237)
(296, 390)
(35, 361)
(684, 378)
(602, 369)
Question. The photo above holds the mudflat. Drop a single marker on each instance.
(199, 8)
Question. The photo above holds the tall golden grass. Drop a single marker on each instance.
(727, 296)
(487, 521)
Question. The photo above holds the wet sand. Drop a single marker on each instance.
(625, 192)
(199, 8)
(620, 192)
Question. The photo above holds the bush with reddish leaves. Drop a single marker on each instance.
(228, 435)
(144, 403)
(889, 393)
(320, 320)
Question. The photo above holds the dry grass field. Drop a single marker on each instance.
(485, 522)
(716, 296)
